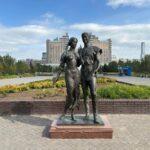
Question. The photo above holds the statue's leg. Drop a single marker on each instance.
(66, 106)
(72, 114)
(92, 85)
(85, 96)
(76, 92)
(78, 96)
(69, 97)
(70, 90)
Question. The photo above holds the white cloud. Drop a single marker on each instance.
(26, 41)
(11, 37)
(48, 19)
(29, 37)
(135, 3)
(29, 40)
(126, 39)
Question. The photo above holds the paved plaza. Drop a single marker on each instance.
(131, 132)
(125, 79)
(131, 80)
(14, 81)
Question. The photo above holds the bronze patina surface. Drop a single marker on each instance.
(79, 120)
(88, 58)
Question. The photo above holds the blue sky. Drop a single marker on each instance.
(26, 24)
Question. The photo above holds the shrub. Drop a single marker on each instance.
(40, 84)
(117, 91)
(105, 80)
(60, 83)
(8, 89)
(21, 88)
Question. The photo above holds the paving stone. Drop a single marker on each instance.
(20, 132)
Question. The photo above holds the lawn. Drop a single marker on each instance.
(7, 76)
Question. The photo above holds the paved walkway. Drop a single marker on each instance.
(125, 79)
(14, 81)
(131, 132)
(132, 80)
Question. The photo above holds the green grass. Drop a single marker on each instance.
(121, 91)
(7, 76)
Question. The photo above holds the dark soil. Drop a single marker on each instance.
(28, 95)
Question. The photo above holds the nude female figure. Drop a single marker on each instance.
(69, 62)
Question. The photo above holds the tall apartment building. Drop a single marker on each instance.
(106, 46)
(142, 50)
(44, 58)
(55, 48)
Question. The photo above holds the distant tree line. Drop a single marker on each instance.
(10, 66)
(137, 66)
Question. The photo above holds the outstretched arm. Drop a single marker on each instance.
(61, 68)
(55, 79)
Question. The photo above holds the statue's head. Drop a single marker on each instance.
(73, 42)
(85, 37)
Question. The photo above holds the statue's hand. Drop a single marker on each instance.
(96, 74)
(54, 80)
(101, 51)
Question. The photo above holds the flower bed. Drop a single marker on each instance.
(107, 88)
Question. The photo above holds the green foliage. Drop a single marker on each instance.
(43, 68)
(105, 80)
(7, 65)
(22, 67)
(40, 84)
(145, 64)
(118, 91)
(111, 67)
(60, 83)
(7, 76)
(137, 66)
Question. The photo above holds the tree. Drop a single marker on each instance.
(105, 68)
(145, 64)
(8, 64)
(22, 67)
(43, 68)
(1, 65)
(120, 63)
(136, 66)
(113, 66)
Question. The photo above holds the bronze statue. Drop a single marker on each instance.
(90, 64)
(70, 61)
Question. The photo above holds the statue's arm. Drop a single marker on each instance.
(98, 52)
(61, 68)
(78, 59)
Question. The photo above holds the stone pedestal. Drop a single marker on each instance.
(67, 129)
